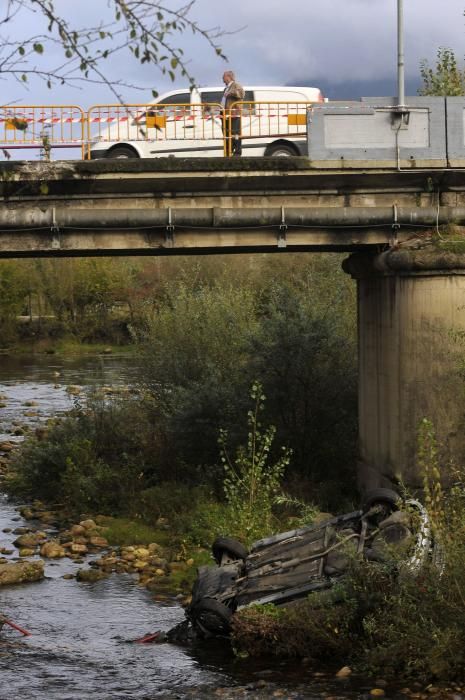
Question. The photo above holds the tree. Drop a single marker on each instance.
(146, 29)
(446, 78)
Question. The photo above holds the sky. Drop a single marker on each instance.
(347, 47)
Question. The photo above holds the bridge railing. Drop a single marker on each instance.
(162, 124)
(42, 127)
(266, 120)
(168, 126)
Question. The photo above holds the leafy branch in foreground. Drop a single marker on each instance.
(252, 483)
(144, 28)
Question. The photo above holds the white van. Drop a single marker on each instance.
(190, 123)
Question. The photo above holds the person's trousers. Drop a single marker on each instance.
(232, 135)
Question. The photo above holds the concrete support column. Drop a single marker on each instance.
(411, 329)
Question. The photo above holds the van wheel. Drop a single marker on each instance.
(122, 152)
(279, 150)
(229, 549)
(381, 496)
(211, 617)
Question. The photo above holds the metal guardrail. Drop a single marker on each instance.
(42, 127)
(255, 120)
(47, 127)
(149, 122)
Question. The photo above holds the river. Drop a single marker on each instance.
(80, 631)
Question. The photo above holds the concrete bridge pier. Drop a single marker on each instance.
(411, 329)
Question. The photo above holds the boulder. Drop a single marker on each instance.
(88, 524)
(90, 575)
(78, 548)
(6, 446)
(21, 572)
(52, 550)
(30, 540)
(78, 530)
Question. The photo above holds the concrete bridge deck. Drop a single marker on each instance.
(168, 206)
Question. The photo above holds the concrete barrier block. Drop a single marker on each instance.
(374, 133)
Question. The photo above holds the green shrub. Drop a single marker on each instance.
(93, 459)
(252, 481)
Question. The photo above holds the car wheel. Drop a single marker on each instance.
(226, 550)
(279, 150)
(122, 152)
(385, 497)
(211, 617)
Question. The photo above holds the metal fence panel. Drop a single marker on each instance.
(43, 127)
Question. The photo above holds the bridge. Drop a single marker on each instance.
(402, 228)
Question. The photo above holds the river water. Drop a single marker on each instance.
(80, 631)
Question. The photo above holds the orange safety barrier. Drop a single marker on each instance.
(154, 122)
(256, 120)
(43, 127)
(67, 126)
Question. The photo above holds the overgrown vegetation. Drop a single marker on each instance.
(383, 619)
(251, 482)
(207, 330)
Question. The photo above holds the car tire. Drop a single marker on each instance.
(387, 497)
(121, 152)
(227, 546)
(211, 617)
(280, 150)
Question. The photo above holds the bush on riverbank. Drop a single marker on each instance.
(290, 325)
(92, 460)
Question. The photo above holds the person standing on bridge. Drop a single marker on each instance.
(231, 122)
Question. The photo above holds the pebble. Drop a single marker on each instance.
(344, 672)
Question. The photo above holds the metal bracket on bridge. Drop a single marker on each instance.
(393, 242)
(282, 243)
(169, 231)
(55, 231)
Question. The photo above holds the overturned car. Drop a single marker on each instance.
(288, 566)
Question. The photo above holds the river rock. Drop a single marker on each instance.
(90, 575)
(98, 541)
(7, 446)
(142, 553)
(25, 552)
(88, 524)
(344, 672)
(74, 389)
(78, 548)
(21, 530)
(30, 539)
(77, 530)
(155, 548)
(52, 550)
(27, 513)
(21, 572)
(47, 517)
(80, 540)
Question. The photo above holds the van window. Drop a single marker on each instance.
(180, 98)
(215, 96)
